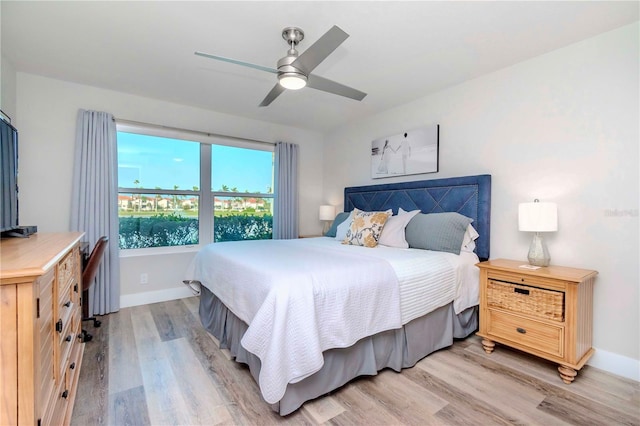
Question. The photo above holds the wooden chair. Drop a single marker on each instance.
(88, 278)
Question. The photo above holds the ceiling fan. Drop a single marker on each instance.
(294, 71)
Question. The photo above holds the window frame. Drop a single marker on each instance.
(206, 198)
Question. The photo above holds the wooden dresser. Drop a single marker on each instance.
(546, 312)
(40, 321)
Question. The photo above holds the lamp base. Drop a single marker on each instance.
(538, 253)
(325, 227)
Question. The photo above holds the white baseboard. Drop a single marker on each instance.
(616, 364)
(137, 299)
(607, 361)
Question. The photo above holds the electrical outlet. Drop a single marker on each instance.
(144, 278)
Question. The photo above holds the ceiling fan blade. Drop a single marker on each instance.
(274, 93)
(235, 61)
(311, 58)
(326, 85)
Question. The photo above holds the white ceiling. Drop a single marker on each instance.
(396, 52)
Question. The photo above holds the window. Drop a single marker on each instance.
(160, 198)
(242, 182)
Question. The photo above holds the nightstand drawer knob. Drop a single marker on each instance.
(521, 290)
(521, 330)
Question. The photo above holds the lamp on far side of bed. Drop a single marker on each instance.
(327, 213)
(538, 217)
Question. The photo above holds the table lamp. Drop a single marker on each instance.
(327, 214)
(538, 217)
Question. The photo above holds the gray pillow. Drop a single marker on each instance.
(437, 231)
(340, 217)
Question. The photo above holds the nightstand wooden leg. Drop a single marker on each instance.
(567, 374)
(488, 345)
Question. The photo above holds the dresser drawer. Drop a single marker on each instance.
(66, 343)
(67, 268)
(73, 365)
(62, 399)
(537, 302)
(537, 335)
(68, 273)
(66, 305)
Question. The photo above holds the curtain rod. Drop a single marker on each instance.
(197, 132)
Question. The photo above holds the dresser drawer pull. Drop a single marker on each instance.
(72, 366)
(59, 326)
(65, 394)
(68, 338)
(521, 290)
(66, 305)
(521, 330)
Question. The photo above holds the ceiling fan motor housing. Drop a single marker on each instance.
(284, 65)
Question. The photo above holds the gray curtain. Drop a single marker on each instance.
(285, 209)
(8, 193)
(94, 208)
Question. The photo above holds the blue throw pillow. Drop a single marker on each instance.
(437, 231)
(340, 217)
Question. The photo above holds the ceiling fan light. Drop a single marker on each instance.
(292, 80)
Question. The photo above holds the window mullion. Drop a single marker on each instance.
(185, 192)
(206, 198)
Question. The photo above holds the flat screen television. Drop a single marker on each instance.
(8, 177)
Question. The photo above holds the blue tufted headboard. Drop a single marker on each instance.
(468, 195)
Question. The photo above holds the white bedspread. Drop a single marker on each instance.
(302, 297)
(427, 279)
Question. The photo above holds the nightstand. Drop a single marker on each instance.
(546, 312)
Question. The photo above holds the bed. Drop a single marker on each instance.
(330, 312)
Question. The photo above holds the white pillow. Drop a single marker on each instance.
(468, 241)
(393, 231)
(341, 230)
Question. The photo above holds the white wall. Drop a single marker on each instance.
(7, 87)
(46, 120)
(561, 127)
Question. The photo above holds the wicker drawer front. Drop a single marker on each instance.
(66, 269)
(537, 302)
(530, 333)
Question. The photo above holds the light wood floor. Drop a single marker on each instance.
(155, 365)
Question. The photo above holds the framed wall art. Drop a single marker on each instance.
(408, 153)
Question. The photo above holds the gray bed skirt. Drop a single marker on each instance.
(396, 349)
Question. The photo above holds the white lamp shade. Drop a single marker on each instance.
(327, 212)
(538, 217)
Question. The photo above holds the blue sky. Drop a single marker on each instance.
(163, 162)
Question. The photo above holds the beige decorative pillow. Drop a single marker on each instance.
(366, 228)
